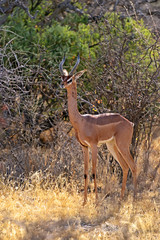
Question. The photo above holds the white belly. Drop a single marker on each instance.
(101, 142)
(105, 141)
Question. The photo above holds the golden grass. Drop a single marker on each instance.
(59, 214)
(36, 213)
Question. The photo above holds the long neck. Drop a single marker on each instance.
(74, 114)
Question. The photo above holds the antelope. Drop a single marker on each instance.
(92, 130)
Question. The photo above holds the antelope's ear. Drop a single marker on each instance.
(79, 74)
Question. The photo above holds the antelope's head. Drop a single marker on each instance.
(69, 78)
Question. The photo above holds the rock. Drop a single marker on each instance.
(47, 136)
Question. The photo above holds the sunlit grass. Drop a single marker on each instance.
(34, 212)
(18, 209)
(21, 211)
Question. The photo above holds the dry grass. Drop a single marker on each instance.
(55, 214)
(36, 213)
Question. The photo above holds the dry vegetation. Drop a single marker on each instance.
(54, 210)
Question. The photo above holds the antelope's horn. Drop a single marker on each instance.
(75, 66)
(61, 66)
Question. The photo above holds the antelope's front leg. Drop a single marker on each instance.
(94, 163)
(86, 163)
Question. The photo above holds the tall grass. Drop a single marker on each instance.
(54, 210)
(58, 214)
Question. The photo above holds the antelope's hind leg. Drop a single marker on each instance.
(125, 168)
(125, 153)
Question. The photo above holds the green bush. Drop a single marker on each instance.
(45, 44)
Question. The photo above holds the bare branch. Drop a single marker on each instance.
(7, 7)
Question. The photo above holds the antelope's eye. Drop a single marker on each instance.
(69, 80)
